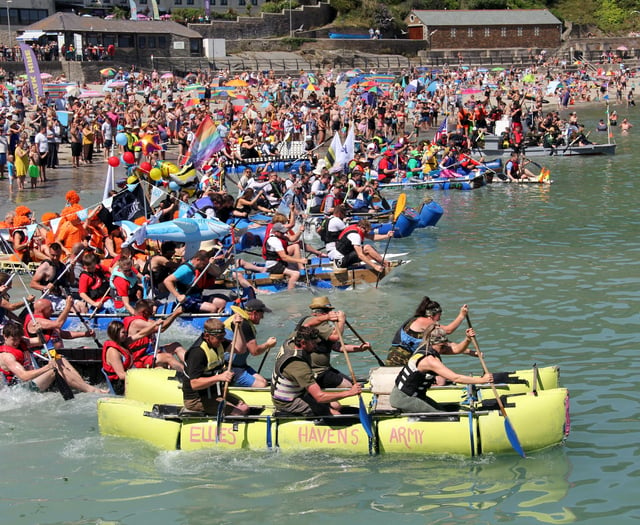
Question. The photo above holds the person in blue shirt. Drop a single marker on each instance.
(180, 282)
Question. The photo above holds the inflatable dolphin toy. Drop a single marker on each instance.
(191, 231)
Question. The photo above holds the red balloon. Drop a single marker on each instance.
(146, 167)
(114, 162)
(128, 157)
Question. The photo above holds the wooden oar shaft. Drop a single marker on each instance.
(232, 352)
(95, 310)
(510, 431)
(61, 382)
(380, 361)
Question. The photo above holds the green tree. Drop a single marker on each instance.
(609, 15)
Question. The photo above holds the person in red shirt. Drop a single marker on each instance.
(127, 285)
(387, 167)
(93, 284)
(142, 332)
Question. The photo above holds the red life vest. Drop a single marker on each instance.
(343, 244)
(352, 228)
(127, 359)
(266, 254)
(51, 336)
(140, 347)
(21, 357)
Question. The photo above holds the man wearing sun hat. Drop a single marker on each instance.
(330, 325)
(206, 374)
(294, 389)
(247, 344)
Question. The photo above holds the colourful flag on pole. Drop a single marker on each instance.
(134, 10)
(33, 70)
(346, 151)
(205, 143)
(334, 148)
(155, 10)
(442, 130)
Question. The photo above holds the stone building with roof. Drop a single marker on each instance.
(134, 40)
(485, 29)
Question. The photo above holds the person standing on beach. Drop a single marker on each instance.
(42, 145)
(22, 162)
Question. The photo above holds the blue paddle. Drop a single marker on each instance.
(508, 428)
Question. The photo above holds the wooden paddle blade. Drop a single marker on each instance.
(365, 419)
(513, 437)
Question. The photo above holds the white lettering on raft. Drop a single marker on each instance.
(406, 436)
(329, 436)
(207, 434)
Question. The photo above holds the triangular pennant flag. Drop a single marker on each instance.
(31, 229)
(157, 195)
(82, 214)
(183, 209)
(55, 223)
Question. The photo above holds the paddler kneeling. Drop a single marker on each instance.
(205, 374)
(294, 389)
(421, 372)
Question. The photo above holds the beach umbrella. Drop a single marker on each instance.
(192, 102)
(239, 102)
(414, 85)
(622, 48)
(433, 86)
(90, 93)
(353, 73)
(45, 76)
(369, 98)
(355, 80)
(166, 76)
(108, 72)
(529, 78)
(114, 85)
(471, 91)
(482, 70)
(497, 69)
(55, 90)
(73, 91)
(311, 87)
(237, 82)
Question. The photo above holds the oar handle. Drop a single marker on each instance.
(232, 352)
(346, 354)
(485, 369)
(380, 361)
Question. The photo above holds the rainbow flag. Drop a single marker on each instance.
(206, 142)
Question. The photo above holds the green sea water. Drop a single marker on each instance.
(551, 275)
